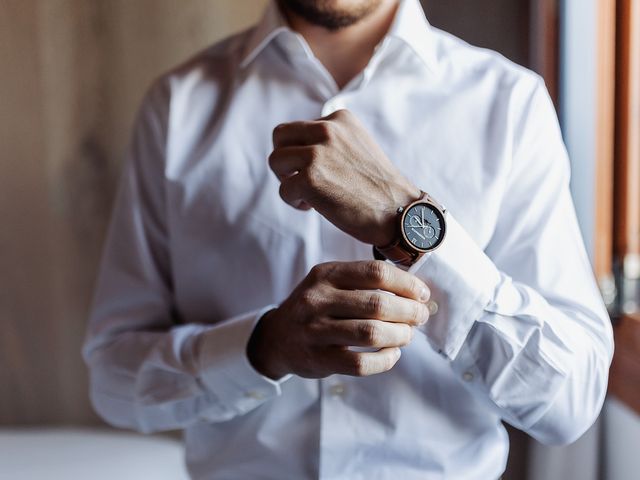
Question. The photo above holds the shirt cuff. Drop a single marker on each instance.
(462, 280)
(225, 370)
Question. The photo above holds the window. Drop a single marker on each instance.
(625, 372)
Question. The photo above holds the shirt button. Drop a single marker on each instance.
(432, 305)
(337, 389)
(255, 394)
(467, 376)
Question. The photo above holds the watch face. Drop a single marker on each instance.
(423, 226)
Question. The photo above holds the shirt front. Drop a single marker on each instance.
(201, 245)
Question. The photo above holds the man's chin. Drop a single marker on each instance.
(330, 14)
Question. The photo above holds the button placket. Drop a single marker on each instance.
(337, 389)
(336, 417)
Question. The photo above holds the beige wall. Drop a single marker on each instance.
(71, 75)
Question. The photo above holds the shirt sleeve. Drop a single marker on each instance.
(148, 371)
(522, 321)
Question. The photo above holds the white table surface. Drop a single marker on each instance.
(88, 454)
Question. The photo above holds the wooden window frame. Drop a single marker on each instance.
(624, 380)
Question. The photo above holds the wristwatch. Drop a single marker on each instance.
(421, 227)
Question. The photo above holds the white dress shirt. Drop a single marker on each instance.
(201, 245)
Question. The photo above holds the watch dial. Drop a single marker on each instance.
(423, 226)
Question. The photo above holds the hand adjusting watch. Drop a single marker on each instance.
(421, 228)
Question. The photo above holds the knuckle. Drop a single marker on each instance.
(284, 191)
(317, 272)
(376, 304)
(325, 130)
(418, 313)
(317, 268)
(309, 175)
(423, 292)
(322, 273)
(368, 333)
(316, 329)
(321, 270)
(332, 266)
(313, 154)
(277, 131)
(407, 334)
(377, 271)
(309, 299)
(343, 113)
(410, 333)
(332, 271)
(417, 286)
(271, 158)
(424, 313)
(359, 365)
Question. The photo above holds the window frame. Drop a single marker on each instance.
(624, 380)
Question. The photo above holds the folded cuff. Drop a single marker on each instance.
(462, 280)
(225, 370)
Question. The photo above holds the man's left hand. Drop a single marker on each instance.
(334, 166)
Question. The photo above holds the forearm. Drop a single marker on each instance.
(151, 381)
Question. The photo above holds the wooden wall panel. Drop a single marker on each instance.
(625, 370)
(544, 37)
(604, 142)
(502, 25)
(25, 299)
(627, 226)
(72, 73)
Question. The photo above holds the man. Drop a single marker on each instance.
(238, 297)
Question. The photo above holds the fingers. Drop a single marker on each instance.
(376, 274)
(341, 115)
(299, 133)
(371, 304)
(365, 333)
(348, 362)
(292, 190)
(288, 160)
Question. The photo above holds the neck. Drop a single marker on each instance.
(347, 51)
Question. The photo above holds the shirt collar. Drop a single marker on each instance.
(269, 27)
(409, 25)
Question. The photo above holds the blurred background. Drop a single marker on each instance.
(72, 73)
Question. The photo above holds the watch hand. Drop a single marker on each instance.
(418, 233)
(419, 224)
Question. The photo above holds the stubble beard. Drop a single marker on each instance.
(325, 13)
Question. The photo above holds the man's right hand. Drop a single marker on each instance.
(336, 306)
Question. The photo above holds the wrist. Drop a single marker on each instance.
(261, 351)
(387, 230)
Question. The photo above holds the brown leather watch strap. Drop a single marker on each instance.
(395, 254)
